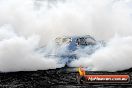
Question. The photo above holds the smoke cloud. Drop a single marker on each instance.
(26, 25)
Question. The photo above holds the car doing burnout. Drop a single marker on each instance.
(73, 47)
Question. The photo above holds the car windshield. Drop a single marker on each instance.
(61, 41)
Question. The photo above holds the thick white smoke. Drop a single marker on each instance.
(29, 24)
(116, 56)
(19, 53)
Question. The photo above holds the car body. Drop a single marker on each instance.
(76, 41)
(76, 46)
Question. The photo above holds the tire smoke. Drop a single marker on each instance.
(26, 25)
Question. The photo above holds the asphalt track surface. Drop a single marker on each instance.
(54, 78)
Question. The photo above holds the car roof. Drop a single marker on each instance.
(76, 36)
